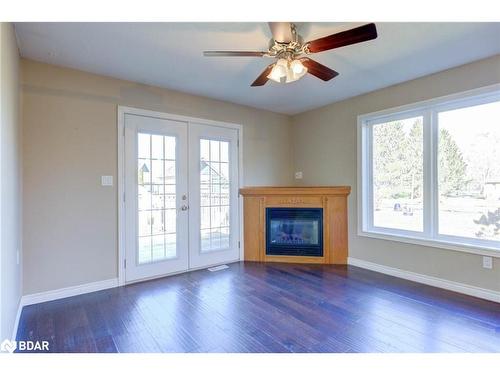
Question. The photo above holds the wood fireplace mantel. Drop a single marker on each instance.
(333, 200)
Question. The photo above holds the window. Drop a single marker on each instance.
(431, 172)
(398, 174)
(214, 195)
(156, 197)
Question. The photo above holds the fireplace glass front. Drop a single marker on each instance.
(294, 231)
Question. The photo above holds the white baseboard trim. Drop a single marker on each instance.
(470, 290)
(51, 295)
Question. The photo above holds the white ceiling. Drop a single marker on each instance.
(170, 55)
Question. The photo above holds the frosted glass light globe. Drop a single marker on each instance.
(297, 67)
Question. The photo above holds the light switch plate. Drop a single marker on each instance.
(107, 180)
(488, 262)
(298, 175)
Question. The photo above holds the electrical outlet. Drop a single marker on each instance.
(298, 175)
(18, 257)
(488, 262)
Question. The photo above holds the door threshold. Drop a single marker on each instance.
(179, 272)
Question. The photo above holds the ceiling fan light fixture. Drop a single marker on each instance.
(286, 72)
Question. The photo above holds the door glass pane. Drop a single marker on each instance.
(144, 144)
(144, 223)
(398, 174)
(214, 195)
(214, 151)
(158, 245)
(469, 172)
(156, 198)
(144, 250)
(157, 172)
(169, 148)
(157, 151)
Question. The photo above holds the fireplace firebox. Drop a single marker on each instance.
(294, 231)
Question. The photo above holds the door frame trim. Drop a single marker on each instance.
(121, 112)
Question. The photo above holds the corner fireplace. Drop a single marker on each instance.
(294, 231)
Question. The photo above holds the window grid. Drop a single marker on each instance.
(214, 195)
(156, 207)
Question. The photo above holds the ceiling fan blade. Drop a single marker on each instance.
(344, 38)
(318, 70)
(262, 79)
(234, 53)
(282, 31)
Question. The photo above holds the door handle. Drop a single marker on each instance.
(184, 207)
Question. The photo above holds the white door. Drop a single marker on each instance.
(213, 194)
(156, 215)
(171, 225)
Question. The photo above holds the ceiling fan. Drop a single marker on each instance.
(291, 52)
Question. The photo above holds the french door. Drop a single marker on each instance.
(181, 196)
(213, 191)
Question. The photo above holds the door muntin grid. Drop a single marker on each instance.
(156, 198)
(215, 228)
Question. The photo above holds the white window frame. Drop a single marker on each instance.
(429, 110)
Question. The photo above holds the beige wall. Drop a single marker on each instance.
(70, 221)
(70, 235)
(324, 145)
(10, 181)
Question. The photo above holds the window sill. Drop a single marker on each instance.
(447, 245)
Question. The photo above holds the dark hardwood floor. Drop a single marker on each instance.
(253, 307)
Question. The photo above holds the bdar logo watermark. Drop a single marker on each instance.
(10, 346)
